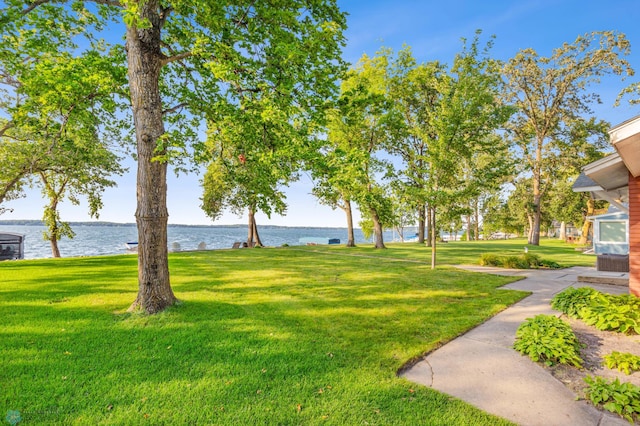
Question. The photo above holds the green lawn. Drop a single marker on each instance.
(264, 336)
(469, 252)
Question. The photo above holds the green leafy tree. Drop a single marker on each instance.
(415, 90)
(51, 132)
(332, 183)
(187, 61)
(358, 131)
(468, 112)
(46, 101)
(253, 156)
(551, 95)
(584, 143)
(513, 214)
(485, 172)
(83, 172)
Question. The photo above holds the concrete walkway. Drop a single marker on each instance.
(481, 368)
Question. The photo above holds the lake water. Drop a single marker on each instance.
(93, 240)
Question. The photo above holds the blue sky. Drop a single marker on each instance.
(434, 30)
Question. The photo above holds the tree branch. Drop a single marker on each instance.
(178, 57)
(164, 14)
(7, 126)
(174, 108)
(34, 5)
(115, 3)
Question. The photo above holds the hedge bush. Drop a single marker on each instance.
(522, 261)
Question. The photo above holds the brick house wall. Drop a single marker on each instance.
(634, 235)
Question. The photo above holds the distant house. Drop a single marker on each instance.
(616, 178)
(611, 232)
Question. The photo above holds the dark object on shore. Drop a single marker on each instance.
(314, 241)
(11, 246)
(612, 262)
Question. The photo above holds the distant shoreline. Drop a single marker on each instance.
(30, 222)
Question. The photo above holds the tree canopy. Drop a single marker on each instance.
(187, 61)
(552, 98)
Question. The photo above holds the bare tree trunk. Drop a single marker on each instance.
(433, 234)
(144, 63)
(476, 219)
(421, 223)
(51, 214)
(563, 231)
(351, 239)
(530, 228)
(586, 226)
(469, 233)
(377, 229)
(54, 230)
(53, 240)
(257, 242)
(534, 238)
(250, 229)
(253, 238)
(429, 227)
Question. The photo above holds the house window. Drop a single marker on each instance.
(613, 232)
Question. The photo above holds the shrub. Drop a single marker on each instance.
(603, 311)
(550, 264)
(548, 339)
(514, 262)
(523, 261)
(620, 398)
(622, 361)
(531, 260)
(572, 300)
(490, 259)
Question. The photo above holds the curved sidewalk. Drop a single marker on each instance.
(481, 368)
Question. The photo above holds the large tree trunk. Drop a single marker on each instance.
(144, 64)
(250, 229)
(51, 214)
(586, 226)
(537, 197)
(377, 229)
(53, 241)
(351, 239)
(421, 223)
(529, 228)
(54, 230)
(535, 228)
(253, 239)
(257, 242)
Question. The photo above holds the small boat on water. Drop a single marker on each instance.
(314, 241)
(131, 246)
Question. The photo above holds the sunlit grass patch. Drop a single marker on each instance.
(465, 252)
